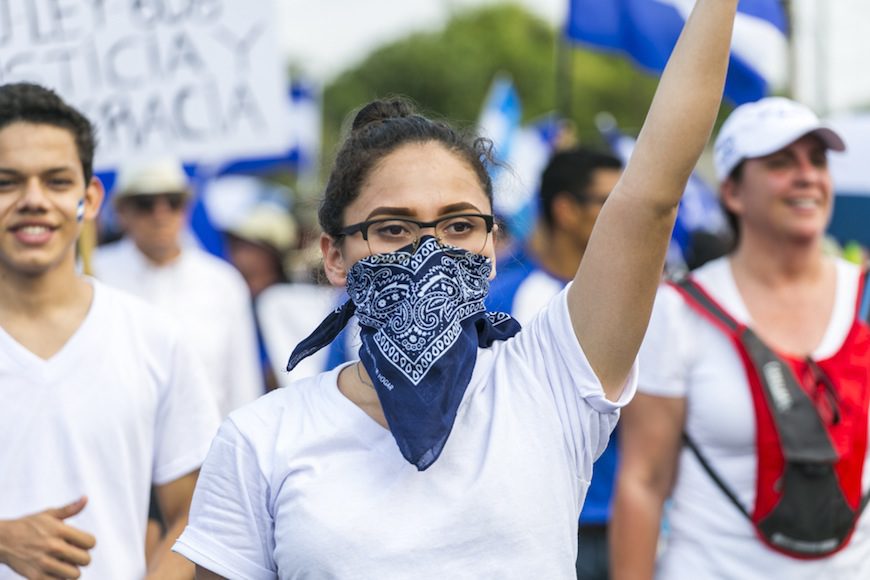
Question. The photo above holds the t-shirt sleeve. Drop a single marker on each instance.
(550, 346)
(665, 351)
(230, 527)
(187, 417)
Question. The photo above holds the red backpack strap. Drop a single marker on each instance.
(803, 435)
(704, 304)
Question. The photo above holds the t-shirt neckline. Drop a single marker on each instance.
(69, 354)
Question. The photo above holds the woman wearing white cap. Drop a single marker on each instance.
(755, 381)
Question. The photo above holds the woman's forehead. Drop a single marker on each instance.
(422, 177)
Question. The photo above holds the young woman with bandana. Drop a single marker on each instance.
(457, 446)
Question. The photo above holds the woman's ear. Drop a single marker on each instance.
(729, 196)
(333, 261)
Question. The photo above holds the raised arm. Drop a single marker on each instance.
(612, 294)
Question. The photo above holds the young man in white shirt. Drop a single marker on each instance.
(101, 399)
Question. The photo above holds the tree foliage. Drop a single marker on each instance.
(449, 72)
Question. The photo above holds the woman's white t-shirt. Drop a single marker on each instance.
(304, 484)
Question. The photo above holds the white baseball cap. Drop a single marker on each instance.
(152, 177)
(764, 127)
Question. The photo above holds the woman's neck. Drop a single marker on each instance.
(778, 261)
(356, 384)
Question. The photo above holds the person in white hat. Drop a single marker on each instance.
(780, 297)
(206, 294)
(260, 243)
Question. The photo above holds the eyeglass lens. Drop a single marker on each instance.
(467, 232)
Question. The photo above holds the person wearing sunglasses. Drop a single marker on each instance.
(158, 261)
(458, 445)
(208, 296)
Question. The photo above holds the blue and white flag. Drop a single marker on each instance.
(516, 198)
(647, 31)
(524, 151)
(499, 121)
(500, 116)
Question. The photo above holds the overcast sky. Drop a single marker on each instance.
(327, 36)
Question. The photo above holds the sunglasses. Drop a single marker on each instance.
(147, 203)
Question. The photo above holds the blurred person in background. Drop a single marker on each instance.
(205, 294)
(754, 387)
(100, 396)
(574, 186)
(706, 246)
(457, 446)
(259, 245)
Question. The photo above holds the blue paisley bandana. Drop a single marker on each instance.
(422, 318)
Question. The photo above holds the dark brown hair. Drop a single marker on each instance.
(30, 103)
(378, 129)
(572, 171)
(733, 222)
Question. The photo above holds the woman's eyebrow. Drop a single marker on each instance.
(390, 211)
(408, 212)
(457, 207)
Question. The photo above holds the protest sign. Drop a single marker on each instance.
(200, 79)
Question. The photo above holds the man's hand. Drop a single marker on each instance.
(41, 545)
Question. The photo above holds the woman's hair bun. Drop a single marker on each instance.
(382, 110)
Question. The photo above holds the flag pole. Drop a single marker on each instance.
(564, 76)
(822, 58)
(791, 64)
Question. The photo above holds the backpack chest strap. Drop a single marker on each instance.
(802, 433)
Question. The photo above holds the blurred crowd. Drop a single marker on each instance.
(266, 294)
(690, 484)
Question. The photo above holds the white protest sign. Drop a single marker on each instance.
(200, 79)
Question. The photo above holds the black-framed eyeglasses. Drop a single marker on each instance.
(147, 203)
(467, 231)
